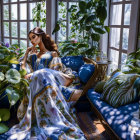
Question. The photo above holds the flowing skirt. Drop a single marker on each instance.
(48, 115)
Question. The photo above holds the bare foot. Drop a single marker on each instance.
(76, 95)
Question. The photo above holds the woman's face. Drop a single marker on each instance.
(35, 39)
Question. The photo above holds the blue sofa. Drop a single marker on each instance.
(115, 119)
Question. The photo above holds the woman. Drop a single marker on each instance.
(44, 113)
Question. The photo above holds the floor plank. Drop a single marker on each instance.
(91, 126)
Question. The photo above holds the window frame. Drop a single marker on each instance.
(133, 29)
(18, 20)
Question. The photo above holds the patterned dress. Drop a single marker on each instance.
(45, 114)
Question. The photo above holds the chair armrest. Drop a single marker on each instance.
(93, 79)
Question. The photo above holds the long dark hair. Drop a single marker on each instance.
(46, 39)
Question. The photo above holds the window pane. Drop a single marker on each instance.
(6, 12)
(32, 5)
(14, 29)
(14, 41)
(23, 29)
(116, 0)
(23, 11)
(62, 10)
(13, 0)
(14, 11)
(124, 58)
(123, 61)
(115, 37)
(6, 40)
(116, 14)
(62, 33)
(23, 45)
(125, 38)
(6, 29)
(33, 25)
(5, 1)
(127, 14)
(114, 60)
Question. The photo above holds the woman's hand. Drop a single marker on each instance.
(32, 50)
(54, 54)
(28, 76)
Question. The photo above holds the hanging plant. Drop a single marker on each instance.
(39, 13)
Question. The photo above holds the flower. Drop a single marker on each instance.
(7, 45)
(18, 49)
(73, 40)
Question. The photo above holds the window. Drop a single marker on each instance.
(17, 21)
(120, 27)
(65, 31)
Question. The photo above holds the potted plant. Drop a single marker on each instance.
(13, 86)
(87, 19)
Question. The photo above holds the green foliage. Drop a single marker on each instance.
(4, 114)
(12, 81)
(72, 48)
(133, 62)
(3, 128)
(99, 86)
(87, 19)
(39, 13)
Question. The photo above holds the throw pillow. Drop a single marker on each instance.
(73, 62)
(85, 72)
(119, 91)
(99, 86)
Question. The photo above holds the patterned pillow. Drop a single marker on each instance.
(119, 91)
(85, 72)
(73, 62)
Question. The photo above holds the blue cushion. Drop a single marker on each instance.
(118, 118)
(73, 62)
(85, 72)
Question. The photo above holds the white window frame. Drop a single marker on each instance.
(28, 20)
(133, 30)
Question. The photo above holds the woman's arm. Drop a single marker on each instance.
(31, 50)
(55, 63)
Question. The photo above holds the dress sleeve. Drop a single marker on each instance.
(56, 64)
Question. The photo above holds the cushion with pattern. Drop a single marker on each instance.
(119, 91)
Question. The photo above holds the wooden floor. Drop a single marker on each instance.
(91, 126)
